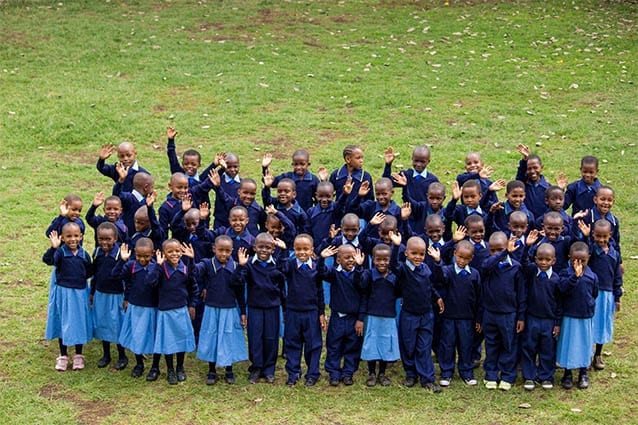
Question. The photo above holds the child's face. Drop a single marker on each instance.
(238, 221)
(173, 253)
(516, 197)
(141, 222)
(190, 164)
(473, 163)
(497, 246)
(191, 223)
(264, 249)
(544, 260)
(345, 257)
(106, 239)
(435, 199)
(178, 187)
(381, 261)
(383, 195)
(601, 236)
(274, 227)
(471, 196)
(143, 255)
(285, 194)
(415, 252)
(534, 170)
(580, 255)
(71, 237)
(518, 227)
(555, 201)
(553, 228)
(355, 160)
(384, 233)
(74, 209)
(350, 229)
(434, 231)
(463, 256)
(232, 166)
(588, 173)
(420, 160)
(476, 232)
(303, 249)
(300, 164)
(112, 210)
(247, 193)
(223, 249)
(324, 197)
(126, 154)
(604, 200)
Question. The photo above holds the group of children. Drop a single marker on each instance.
(403, 280)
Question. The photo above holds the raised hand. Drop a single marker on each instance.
(279, 243)
(395, 237)
(219, 157)
(214, 178)
(151, 198)
(334, 231)
(400, 179)
(270, 209)
(359, 257)
(329, 251)
(347, 186)
(486, 172)
(456, 190)
(435, 253)
(406, 210)
(496, 206)
(159, 257)
(204, 210)
(122, 172)
(579, 269)
(98, 199)
(377, 219)
(523, 150)
(187, 202)
(585, 229)
(171, 132)
(581, 214)
(511, 244)
(389, 155)
(242, 256)
(187, 250)
(106, 150)
(55, 239)
(497, 185)
(125, 253)
(459, 234)
(532, 237)
(269, 179)
(364, 189)
(561, 180)
(266, 160)
(64, 208)
(322, 174)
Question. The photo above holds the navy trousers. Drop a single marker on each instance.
(263, 339)
(457, 336)
(302, 333)
(415, 343)
(342, 342)
(538, 341)
(500, 346)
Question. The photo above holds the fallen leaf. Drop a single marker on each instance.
(263, 85)
(573, 86)
(576, 410)
(524, 406)
(613, 375)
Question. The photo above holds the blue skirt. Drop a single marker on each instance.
(174, 332)
(138, 329)
(221, 337)
(107, 316)
(69, 316)
(380, 339)
(575, 343)
(604, 317)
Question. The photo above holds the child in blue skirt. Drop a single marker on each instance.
(177, 293)
(221, 337)
(68, 316)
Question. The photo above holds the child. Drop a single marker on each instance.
(476, 170)
(416, 323)
(178, 185)
(176, 306)
(542, 319)
(112, 214)
(343, 340)
(107, 295)
(380, 336)
(188, 227)
(474, 228)
(265, 289)
(221, 339)
(230, 181)
(140, 306)
(245, 197)
(470, 196)
(605, 263)
(304, 312)
(353, 167)
(143, 194)
(68, 316)
(499, 215)
(349, 233)
(382, 203)
(552, 227)
(125, 170)
(326, 213)
(530, 171)
(517, 228)
(460, 288)
(418, 178)
(286, 201)
(554, 200)
(580, 194)
(305, 182)
(503, 311)
(146, 225)
(191, 161)
(70, 212)
(603, 202)
(579, 289)
(281, 229)
(423, 209)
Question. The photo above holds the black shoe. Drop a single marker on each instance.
(253, 378)
(347, 380)
(153, 374)
(383, 380)
(171, 377)
(567, 382)
(138, 370)
(211, 379)
(181, 374)
(291, 382)
(583, 382)
(431, 386)
(103, 362)
(270, 379)
(122, 362)
(310, 382)
(334, 382)
(409, 382)
(229, 378)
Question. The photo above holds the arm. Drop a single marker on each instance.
(171, 152)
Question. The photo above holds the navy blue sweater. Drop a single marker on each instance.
(339, 177)
(60, 221)
(220, 212)
(103, 264)
(503, 287)
(417, 185)
(461, 293)
(534, 192)
(223, 284)
(95, 220)
(499, 221)
(561, 247)
(345, 296)
(415, 287)
(264, 284)
(379, 292)
(580, 196)
(542, 294)
(110, 171)
(176, 289)
(305, 187)
(71, 271)
(136, 291)
(305, 290)
(320, 220)
(607, 267)
(256, 214)
(130, 205)
(294, 213)
(579, 293)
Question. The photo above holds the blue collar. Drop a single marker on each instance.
(548, 272)
(458, 270)
(342, 173)
(228, 179)
(355, 242)
(582, 187)
(113, 253)
(470, 211)
(170, 270)
(245, 236)
(376, 275)
(423, 173)
(307, 263)
(230, 264)
(270, 260)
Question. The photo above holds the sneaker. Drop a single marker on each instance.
(567, 382)
(598, 363)
(529, 385)
(409, 381)
(122, 362)
(153, 374)
(171, 377)
(372, 380)
(444, 382)
(547, 385)
(138, 370)
(310, 382)
(270, 379)
(78, 362)
(470, 381)
(181, 374)
(347, 380)
(431, 386)
(384, 380)
(253, 378)
(505, 386)
(491, 385)
(229, 377)
(61, 363)
(291, 382)
(583, 382)
(334, 382)
(211, 378)
(103, 362)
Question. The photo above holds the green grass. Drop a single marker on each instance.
(271, 76)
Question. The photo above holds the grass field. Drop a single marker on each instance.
(272, 76)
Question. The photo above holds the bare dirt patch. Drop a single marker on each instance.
(90, 412)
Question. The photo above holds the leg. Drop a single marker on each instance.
(255, 339)
(530, 339)
(492, 344)
(122, 360)
(171, 376)
(106, 356)
(270, 341)
(293, 344)
(464, 336)
(334, 339)
(446, 349)
(509, 344)
(312, 347)
(423, 348)
(351, 348)
(546, 352)
(407, 343)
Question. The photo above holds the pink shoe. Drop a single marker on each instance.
(61, 363)
(78, 362)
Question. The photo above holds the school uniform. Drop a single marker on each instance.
(256, 214)
(481, 253)
(201, 240)
(534, 192)
(339, 177)
(131, 202)
(458, 213)
(499, 221)
(294, 212)
(68, 314)
(108, 295)
(595, 215)
(538, 348)
(305, 186)
(367, 209)
(304, 305)
(140, 319)
(488, 197)
(320, 219)
(95, 220)
(342, 341)
(576, 339)
(580, 196)
(153, 232)
(522, 249)
(606, 266)
(417, 183)
(176, 167)
(230, 185)
(110, 171)
(503, 305)
(420, 210)
(58, 223)
(561, 248)
(176, 293)
(221, 338)
(167, 212)
(460, 289)
(567, 221)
